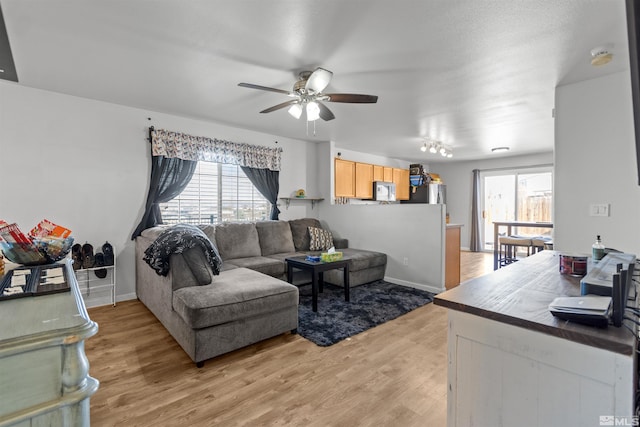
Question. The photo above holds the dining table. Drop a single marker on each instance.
(509, 226)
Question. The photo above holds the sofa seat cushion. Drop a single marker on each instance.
(282, 257)
(237, 240)
(275, 237)
(234, 294)
(228, 266)
(361, 259)
(270, 266)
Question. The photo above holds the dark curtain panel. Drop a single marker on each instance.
(267, 182)
(476, 219)
(168, 178)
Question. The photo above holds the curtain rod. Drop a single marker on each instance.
(544, 165)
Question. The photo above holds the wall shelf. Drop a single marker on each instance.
(313, 200)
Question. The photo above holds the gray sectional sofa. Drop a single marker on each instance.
(250, 300)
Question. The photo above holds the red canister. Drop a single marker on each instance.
(575, 265)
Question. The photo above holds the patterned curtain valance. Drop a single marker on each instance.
(182, 146)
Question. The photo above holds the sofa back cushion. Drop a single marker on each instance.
(209, 230)
(275, 237)
(300, 232)
(180, 272)
(237, 240)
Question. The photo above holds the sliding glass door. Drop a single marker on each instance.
(516, 195)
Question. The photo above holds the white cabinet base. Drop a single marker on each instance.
(503, 375)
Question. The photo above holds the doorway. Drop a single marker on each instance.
(516, 195)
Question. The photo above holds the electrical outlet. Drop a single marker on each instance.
(601, 209)
(405, 261)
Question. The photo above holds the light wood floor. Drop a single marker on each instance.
(391, 375)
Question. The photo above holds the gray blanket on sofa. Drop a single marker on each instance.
(176, 240)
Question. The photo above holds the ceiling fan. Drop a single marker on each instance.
(308, 96)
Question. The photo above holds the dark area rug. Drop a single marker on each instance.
(371, 304)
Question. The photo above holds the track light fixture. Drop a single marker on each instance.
(436, 147)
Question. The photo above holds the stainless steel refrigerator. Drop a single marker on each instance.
(437, 194)
(432, 193)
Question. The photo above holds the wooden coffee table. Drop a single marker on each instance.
(317, 270)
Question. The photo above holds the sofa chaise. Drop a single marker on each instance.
(249, 300)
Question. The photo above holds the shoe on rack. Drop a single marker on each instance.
(102, 272)
(76, 255)
(88, 260)
(107, 250)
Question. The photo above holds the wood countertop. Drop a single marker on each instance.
(520, 295)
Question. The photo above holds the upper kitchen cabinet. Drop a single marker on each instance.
(401, 179)
(378, 173)
(387, 174)
(364, 181)
(345, 178)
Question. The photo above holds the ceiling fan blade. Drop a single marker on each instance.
(318, 80)
(270, 89)
(279, 106)
(325, 113)
(352, 97)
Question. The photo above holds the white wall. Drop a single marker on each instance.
(401, 231)
(412, 231)
(458, 176)
(595, 163)
(357, 156)
(85, 165)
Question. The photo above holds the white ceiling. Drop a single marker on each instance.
(473, 74)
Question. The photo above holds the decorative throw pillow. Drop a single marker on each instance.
(320, 239)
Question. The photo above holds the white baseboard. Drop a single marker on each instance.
(422, 286)
(91, 301)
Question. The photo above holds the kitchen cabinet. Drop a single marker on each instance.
(378, 173)
(510, 361)
(355, 179)
(364, 181)
(345, 178)
(387, 174)
(401, 179)
(452, 256)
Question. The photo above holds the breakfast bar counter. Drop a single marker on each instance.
(512, 363)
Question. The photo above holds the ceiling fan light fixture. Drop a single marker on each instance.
(308, 96)
(313, 111)
(318, 80)
(295, 110)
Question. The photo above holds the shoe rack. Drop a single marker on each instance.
(89, 282)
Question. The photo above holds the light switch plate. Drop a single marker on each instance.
(599, 209)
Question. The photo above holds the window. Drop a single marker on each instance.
(516, 195)
(217, 192)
